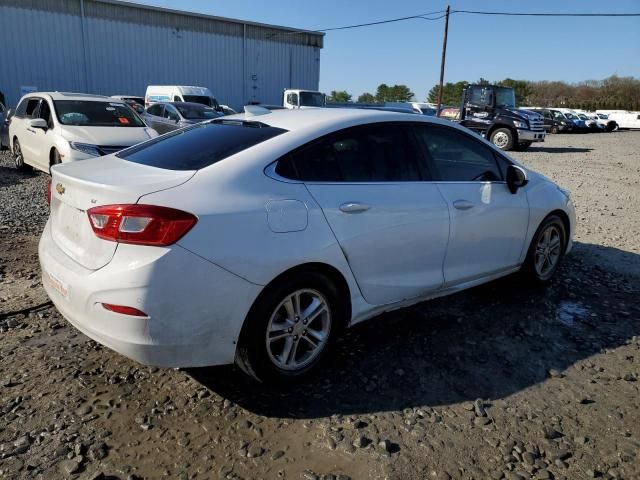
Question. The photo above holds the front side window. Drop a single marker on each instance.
(96, 114)
(372, 153)
(292, 99)
(170, 112)
(312, 99)
(458, 157)
(155, 110)
(45, 113)
(199, 146)
(195, 111)
(31, 108)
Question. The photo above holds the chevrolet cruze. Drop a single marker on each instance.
(258, 238)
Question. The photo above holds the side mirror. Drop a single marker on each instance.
(516, 178)
(38, 123)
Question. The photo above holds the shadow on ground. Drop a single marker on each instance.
(558, 150)
(11, 176)
(488, 342)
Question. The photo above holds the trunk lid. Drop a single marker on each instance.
(78, 186)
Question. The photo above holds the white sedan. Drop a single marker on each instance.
(257, 239)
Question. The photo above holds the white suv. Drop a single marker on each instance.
(51, 128)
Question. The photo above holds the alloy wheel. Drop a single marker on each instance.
(298, 329)
(548, 251)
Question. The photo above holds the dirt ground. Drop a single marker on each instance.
(501, 381)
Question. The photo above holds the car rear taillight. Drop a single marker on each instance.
(140, 224)
(49, 191)
(134, 312)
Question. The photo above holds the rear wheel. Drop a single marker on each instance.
(554, 129)
(290, 328)
(18, 157)
(502, 138)
(546, 250)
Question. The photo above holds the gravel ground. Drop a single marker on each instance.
(501, 381)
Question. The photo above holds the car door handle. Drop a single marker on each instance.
(30, 130)
(354, 207)
(463, 204)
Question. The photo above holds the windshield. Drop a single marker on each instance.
(571, 116)
(603, 117)
(203, 99)
(96, 114)
(505, 97)
(558, 115)
(583, 116)
(197, 112)
(428, 111)
(311, 99)
(198, 146)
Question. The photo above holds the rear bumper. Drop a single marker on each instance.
(531, 136)
(195, 309)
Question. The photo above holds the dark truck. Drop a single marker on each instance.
(491, 111)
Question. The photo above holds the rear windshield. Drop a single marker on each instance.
(96, 114)
(196, 111)
(198, 146)
(203, 99)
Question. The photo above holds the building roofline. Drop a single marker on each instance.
(186, 13)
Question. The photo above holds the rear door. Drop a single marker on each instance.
(488, 223)
(388, 217)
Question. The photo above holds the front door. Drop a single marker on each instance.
(488, 223)
(389, 219)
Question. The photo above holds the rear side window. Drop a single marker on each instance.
(199, 146)
(457, 157)
(372, 153)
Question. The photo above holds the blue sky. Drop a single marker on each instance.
(534, 48)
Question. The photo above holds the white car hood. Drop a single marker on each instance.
(107, 136)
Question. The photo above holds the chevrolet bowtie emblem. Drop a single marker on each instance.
(60, 189)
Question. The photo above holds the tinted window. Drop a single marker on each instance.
(170, 113)
(31, 107)
(456, 156)
(96, 114)
(45, 113)
(199, 146)
(204, 100)
(375, 153)
(155, 110)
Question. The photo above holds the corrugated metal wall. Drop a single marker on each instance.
(120, 49)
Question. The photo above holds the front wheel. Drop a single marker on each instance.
(18, 157)
(502, 138)
(290, 328)
(554, 129)
(546, 250)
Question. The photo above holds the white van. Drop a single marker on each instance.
(626, 120)
(179, 93)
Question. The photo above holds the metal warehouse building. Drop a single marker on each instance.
(112, 47)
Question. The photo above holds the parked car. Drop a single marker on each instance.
(227, 110)
(590, 122)
(554, 121)
(165, 117)
(578, 123)
(5, 118)
(180, 93)
(137, 103)
(52, 127)
(609, 124)
(258, 239)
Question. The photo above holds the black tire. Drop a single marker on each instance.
(554, 129)
(522, 146)
(612, 126)
(530, 270)
(18, 158)
(55, 159)
(503, 138)
(253, 355)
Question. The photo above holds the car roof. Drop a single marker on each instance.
(303, 118)
(75, 96)
(183, 104)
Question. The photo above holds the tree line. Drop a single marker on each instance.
(614, 92)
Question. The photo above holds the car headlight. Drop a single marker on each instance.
(519, 124)
(563, 123)
(85, 148)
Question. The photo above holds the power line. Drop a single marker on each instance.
(535, 14)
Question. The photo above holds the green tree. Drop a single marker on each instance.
(396, 93)
(366, 98)
(451, 93)
(341, 96)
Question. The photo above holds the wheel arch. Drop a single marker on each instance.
(496, 126)
(565, 222)
(330, 272)
(53, 149)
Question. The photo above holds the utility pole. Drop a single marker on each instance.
(444, 55)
